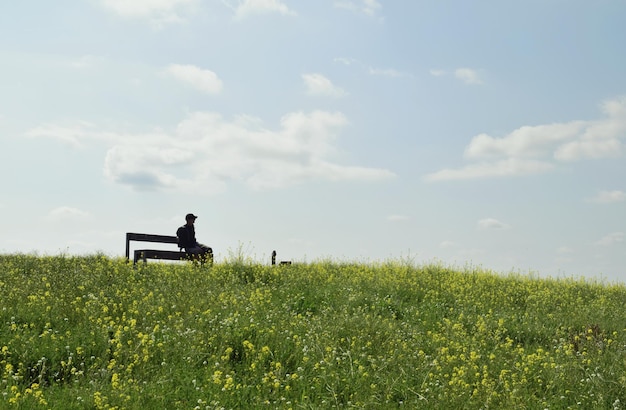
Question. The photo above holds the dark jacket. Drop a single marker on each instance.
(186, 236)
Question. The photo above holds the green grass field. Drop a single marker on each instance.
(92, 332)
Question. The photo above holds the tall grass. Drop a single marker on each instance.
(92, 332)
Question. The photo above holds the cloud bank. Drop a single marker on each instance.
(537, 149)
(206, 152)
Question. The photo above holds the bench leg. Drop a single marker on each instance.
(138, 255)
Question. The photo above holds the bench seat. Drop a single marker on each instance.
(145, 254)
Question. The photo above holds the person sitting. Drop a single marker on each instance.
(187, 239)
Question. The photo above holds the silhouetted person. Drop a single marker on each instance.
(187, 239)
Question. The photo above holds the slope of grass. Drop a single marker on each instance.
(92, 332)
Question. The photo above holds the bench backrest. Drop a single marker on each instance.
(146, 237)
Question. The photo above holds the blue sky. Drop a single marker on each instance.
(482, 133)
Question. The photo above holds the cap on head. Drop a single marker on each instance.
(190, 217)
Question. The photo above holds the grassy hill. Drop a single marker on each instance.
(92, 332)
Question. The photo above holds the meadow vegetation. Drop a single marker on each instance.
(91, 332)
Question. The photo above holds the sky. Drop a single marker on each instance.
(479, 134)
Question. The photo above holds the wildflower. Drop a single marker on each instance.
(217, 377)
(228, 383)
(115, 381)
(99, 400)
(227, 353)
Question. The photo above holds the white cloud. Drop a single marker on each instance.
(158, 11)
(201, 79)
(599, 138)
(246, 8)
(503, 168)
(369, 7)
(491, 223)
(607, 197)
(526, 141)
(563, 141)
(611, 239)
(537, 149)
(317, 84)
(437, 72)
(206, 152)
(64, 213)
(468, 75)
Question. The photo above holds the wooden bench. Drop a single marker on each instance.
(145, 254)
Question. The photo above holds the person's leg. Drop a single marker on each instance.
(194, 253)
(207, 253)
(201, 252)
